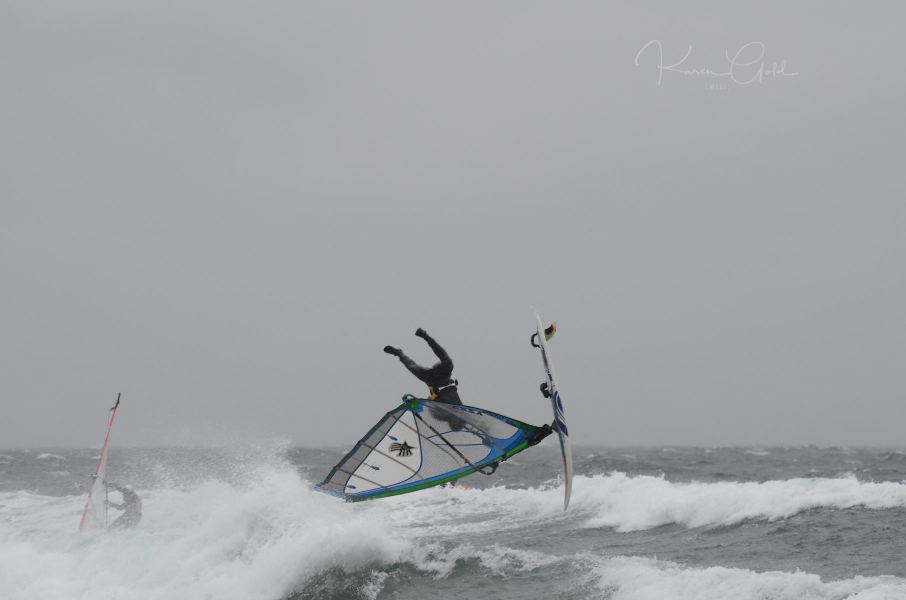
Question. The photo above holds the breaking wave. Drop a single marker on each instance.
(629, 578)
(49, 456)
(214, 541)
(633, 503)
(266, 535)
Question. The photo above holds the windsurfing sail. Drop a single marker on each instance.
(94, 517)
(424, 443)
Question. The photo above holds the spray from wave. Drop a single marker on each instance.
(253, 529)
(634, 503)
(217, 540)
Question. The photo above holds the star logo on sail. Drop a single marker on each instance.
(403, 449)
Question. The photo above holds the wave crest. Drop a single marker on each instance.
(634, 503)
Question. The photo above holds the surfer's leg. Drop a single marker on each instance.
(445, 361)
(126, 520)
(414, 368)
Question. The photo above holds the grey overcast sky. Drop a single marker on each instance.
(226, 209)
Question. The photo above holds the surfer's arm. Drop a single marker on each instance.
(539, 434)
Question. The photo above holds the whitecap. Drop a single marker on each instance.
(635, 503)
(49, 456)
(260, 539)
(635, 578)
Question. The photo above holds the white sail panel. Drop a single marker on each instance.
(94, 517)
(393, 459)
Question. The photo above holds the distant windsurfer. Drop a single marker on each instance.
(131, 507)
(439, 377)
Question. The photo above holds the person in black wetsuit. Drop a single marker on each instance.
(439, 377)
(131, 507)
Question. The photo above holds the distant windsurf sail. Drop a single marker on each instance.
(423, 443)
(94, 516)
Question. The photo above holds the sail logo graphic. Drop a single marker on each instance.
(403, 449)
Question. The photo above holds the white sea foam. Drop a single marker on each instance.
(498, 560)
(261, 539)
(626, 578)
(758, 452)
(642, 578)
(372, 588)
(633, 503)
(213, 541)
(49, 456)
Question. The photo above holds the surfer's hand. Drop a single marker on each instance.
(392, 350)
(421, 332)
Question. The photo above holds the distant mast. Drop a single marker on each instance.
(94, 517)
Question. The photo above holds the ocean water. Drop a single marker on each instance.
(644, 524)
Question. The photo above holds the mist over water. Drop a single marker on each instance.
(644, 523)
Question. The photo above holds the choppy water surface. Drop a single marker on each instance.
(644, 524)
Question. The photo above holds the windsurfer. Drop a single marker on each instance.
(439, 377)
(131, 507)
